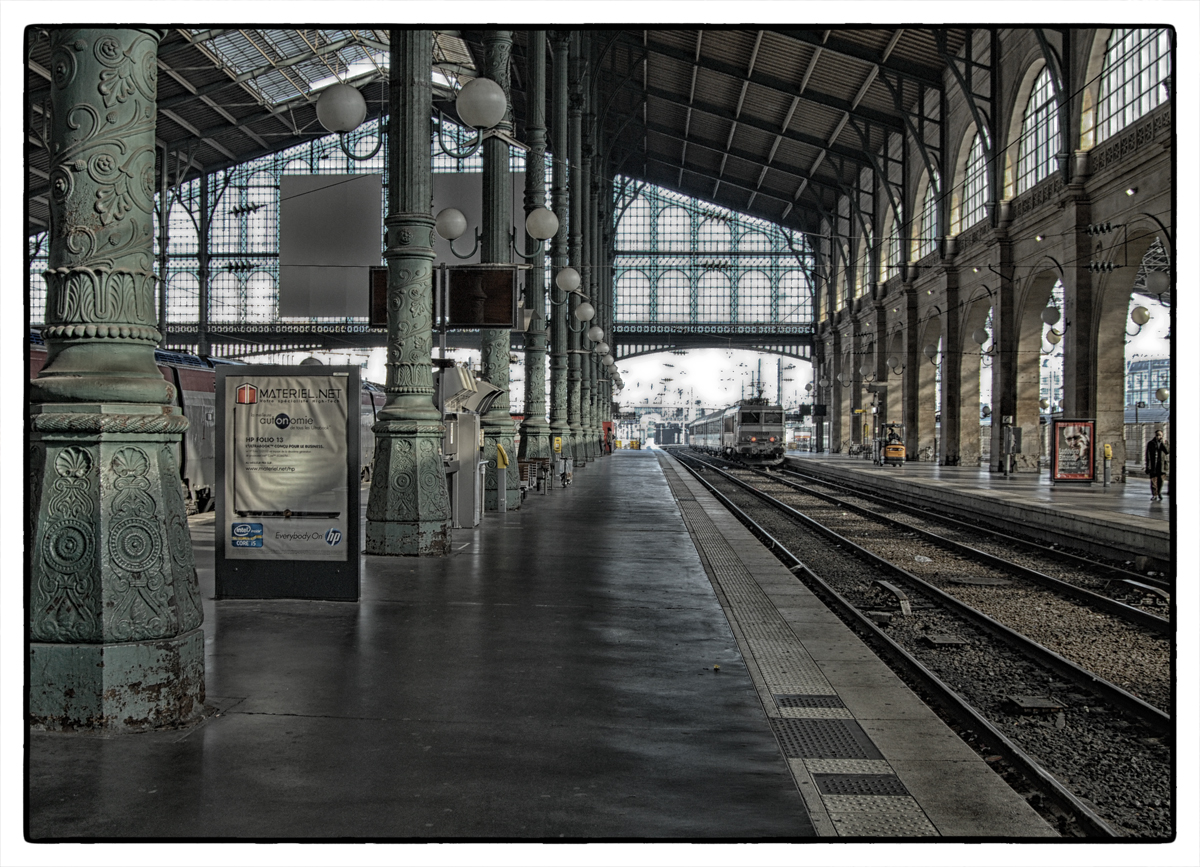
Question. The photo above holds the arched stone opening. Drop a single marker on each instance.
(924, 442)
(976, 314)
(1027, 366)
(1114, 295)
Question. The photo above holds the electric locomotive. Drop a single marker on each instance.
(750, 431)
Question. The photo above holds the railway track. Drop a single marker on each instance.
(1073, 567)
(1098, 753)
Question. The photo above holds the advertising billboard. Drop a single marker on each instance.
(288, 498)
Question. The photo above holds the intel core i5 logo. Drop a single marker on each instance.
(246, 535)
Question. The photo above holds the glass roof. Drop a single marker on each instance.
(283, 65)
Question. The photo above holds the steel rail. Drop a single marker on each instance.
(1117, 574)
(1131, 704)
(1106, 604)
(952, 703)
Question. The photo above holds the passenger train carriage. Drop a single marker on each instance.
(194, 379)
(749, 431)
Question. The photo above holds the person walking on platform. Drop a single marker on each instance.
(1157, 460)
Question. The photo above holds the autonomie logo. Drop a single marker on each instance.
(333, 536)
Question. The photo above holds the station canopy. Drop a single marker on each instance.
(771, 123)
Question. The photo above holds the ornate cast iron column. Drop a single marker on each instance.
(114, 603)
(535, 433)
(497, 424)
(560, 307)
(576, 157)
(408, 508)
(587, 367)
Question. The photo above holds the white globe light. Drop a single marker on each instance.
(930, 351)
(1053, 337)
(608, 361)
(980, 336)
(893, 362)
(567, 280)
(601, 349)
(1140, 315)
(1044, 404)
(1051, 315)
(481, 103)
(450, 223)
(1162, 394)
(341, 108)
(585, 311)
(808, 387)
(541, 224)
(595, 334)
(1157, 282)
(865, 370)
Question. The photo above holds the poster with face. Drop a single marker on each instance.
(1073, 456)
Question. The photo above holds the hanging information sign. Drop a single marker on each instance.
(288, 482)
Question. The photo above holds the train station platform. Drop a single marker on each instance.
(1118, 521)
(619, 660)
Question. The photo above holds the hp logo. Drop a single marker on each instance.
(333, 537)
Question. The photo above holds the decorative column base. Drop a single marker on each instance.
(408, 507)
(535, 441)
(500, 434)
(114, 602)
(127, 687)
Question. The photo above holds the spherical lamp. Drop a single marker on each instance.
(1162, 395)
(608, 361)
(595, 334)
(931, 350)
(1053, 337)
(601, 348)
(1140, 315)
(341, 108)
(1158, 282)
(567, 280)
(1051, 315)
(541, 224)
(893, 362)
(1044, 404)
(450, 223)
(585, 311)
(481, 103)
(980, 336)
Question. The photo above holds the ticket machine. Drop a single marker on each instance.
(463, 399)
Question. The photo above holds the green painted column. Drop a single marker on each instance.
(408, 507)
(560, 307)
(535, 432)
(114, 603)
(587, 450)
(497, 424)
(575, 127)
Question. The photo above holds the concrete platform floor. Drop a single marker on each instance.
(552, 679)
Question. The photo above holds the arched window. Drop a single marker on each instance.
(1039, 135)
(889, 260)
(861, 277)
(713, 297)
(1137, 70)
(795, 298)
(674, 230)
(754, 297)
(674, 297)
(633, 297)
(714, 237)
(926, 238)
(633, 231)
(974, 186)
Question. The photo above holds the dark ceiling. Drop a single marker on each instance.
(773, 123)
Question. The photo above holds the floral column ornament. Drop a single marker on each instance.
(408, 507)
(114, 604)
(495, 343)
